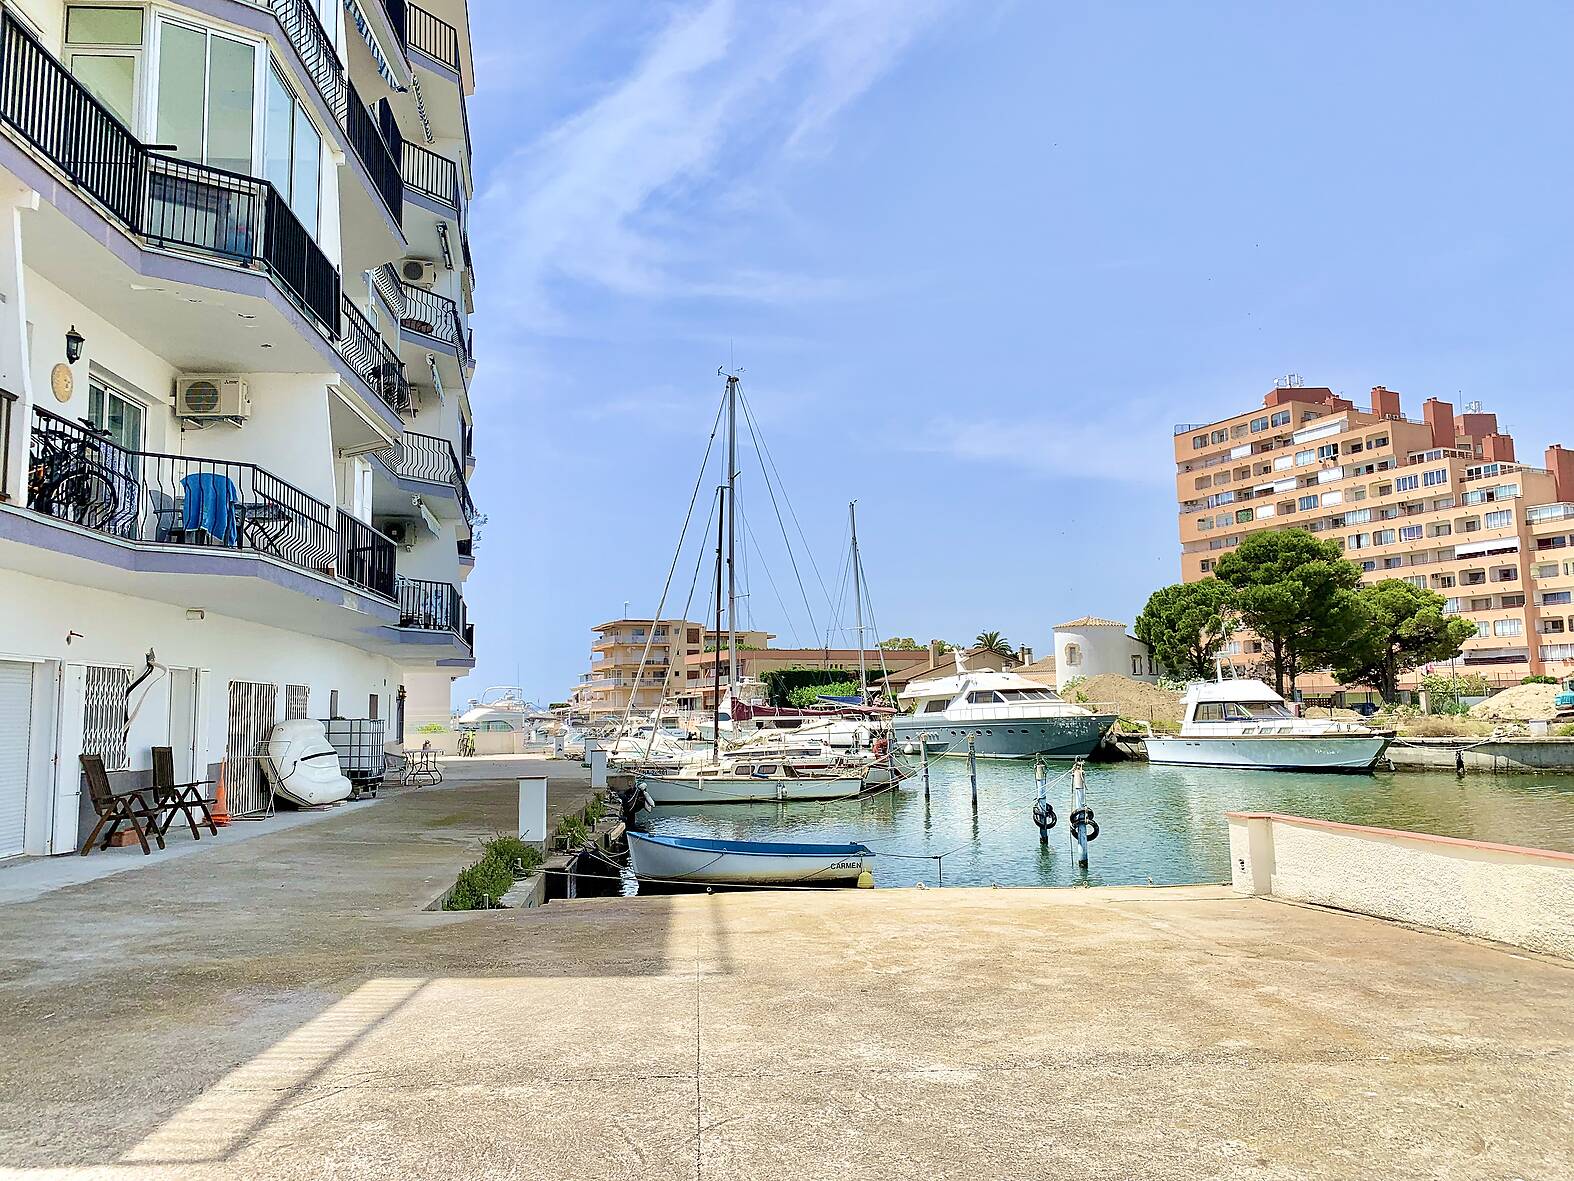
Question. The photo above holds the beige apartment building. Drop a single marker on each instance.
(616, 681)
(1440, 501)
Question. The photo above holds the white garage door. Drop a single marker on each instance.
(16, 733)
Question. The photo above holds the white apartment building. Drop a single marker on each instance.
(235, 283)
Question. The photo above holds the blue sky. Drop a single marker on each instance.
(976, 259)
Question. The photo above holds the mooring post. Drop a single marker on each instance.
(1041, 805)
(972, 769)
(1079, 804)
(923, 753)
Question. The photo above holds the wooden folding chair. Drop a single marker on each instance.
(116, 810)
(172, 797)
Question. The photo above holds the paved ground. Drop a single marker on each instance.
(282, 1008)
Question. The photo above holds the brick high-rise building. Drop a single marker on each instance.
(1440, 501)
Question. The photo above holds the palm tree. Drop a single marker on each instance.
(994, 642)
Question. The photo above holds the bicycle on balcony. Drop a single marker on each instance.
(68, 478)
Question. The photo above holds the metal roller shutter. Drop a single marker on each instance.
(16, 732)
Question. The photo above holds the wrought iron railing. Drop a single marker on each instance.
(436, 316)
(172, 203)
(365, 351)
(431, 174)
(365, 556)
(75, 474)
(436, 38)
(432, 606)
(298, 19)
(430, 460)
(397, 17)
(7, 403)
(379, 156)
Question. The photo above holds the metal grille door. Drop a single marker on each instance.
(16, 729)
(295, 702)
(251, 718)
(104, 714)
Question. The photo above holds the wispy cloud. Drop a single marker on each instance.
(632, 193)
(1100, 448)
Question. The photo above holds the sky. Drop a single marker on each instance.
(975, 259)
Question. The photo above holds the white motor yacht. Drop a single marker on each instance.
(1007, 716)
(1244, 723)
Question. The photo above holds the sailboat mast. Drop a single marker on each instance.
(858, 600)
(715, 709)
(732, 513)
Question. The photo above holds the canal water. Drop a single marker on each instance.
(1160, 824)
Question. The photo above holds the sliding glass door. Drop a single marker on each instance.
(206, 95)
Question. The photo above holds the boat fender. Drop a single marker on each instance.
(1044, 814)
(1083, 818)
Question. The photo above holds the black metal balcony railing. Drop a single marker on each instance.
(436, 316)
(374, 361)
(433, 606)
(431, 174)
(7, 402)
(380, 157)
(436, 38)
(301, 25)
(173, 203)
(366, 557)
(430, 460)
(75, 474)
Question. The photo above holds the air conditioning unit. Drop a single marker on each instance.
(418, 272)
(212, 395)
(397, 532)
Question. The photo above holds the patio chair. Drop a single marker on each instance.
(186, 798)
(116, 810)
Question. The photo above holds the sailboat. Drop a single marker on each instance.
(796, 767)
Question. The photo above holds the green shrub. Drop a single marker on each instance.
(1538, 680)
(432, 728)
(479, 885)
(572, 831)
(522, 859)
(1566, 730)
(805, 696)
(594, 810)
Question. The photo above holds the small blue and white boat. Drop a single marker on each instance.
(658, 857)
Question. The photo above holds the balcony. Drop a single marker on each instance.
(298, 19)
(7, 407)
(431, 175)
(206, 507)
(373, 361)
(435, 38)
(171, 204)
(428, 460)
(380, 157)
(433, 607)
(436, 316)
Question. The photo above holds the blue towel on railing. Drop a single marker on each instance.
(210, 505)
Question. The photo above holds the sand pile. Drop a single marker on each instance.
(1137, 700)
(1522, 703)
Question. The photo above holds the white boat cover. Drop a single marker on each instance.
(303, 765)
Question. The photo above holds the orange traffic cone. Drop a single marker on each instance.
(220, 809)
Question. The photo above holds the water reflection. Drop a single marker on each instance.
(1159, 824)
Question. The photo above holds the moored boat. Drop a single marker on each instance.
(1244, 723)
(659, 857)
(1007, 716)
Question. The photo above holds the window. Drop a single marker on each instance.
(1442, 529)
(1218, 436)
(1258, 424)
(1417, 580)
(1483, 628)
(1281, 418)
(1411, 533)
(1548, 570)
(1207, 565)
(1383, 537)
(1136, 666)
(1358, 516)
(1451, 607)
(291, 151)
(936, 707)
(1368, 566)
(1513, 600)
(1500, 520)
(104, 51)
(1208, 711)
(1242, 516)
(1306, 503)
(1328, 451)
(1407, 483)
(1443, 581)
(206, 87)
(1302, 458)
(113, 412)
(1073, 655)
(1502, 628)
(1555, 598)
(1435, 477)
(1198, 442)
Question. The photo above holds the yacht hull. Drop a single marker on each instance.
(1072, 737)
(722, 789)
(1273, 752)
(753, 863)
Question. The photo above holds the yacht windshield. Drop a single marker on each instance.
(1265, 710)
